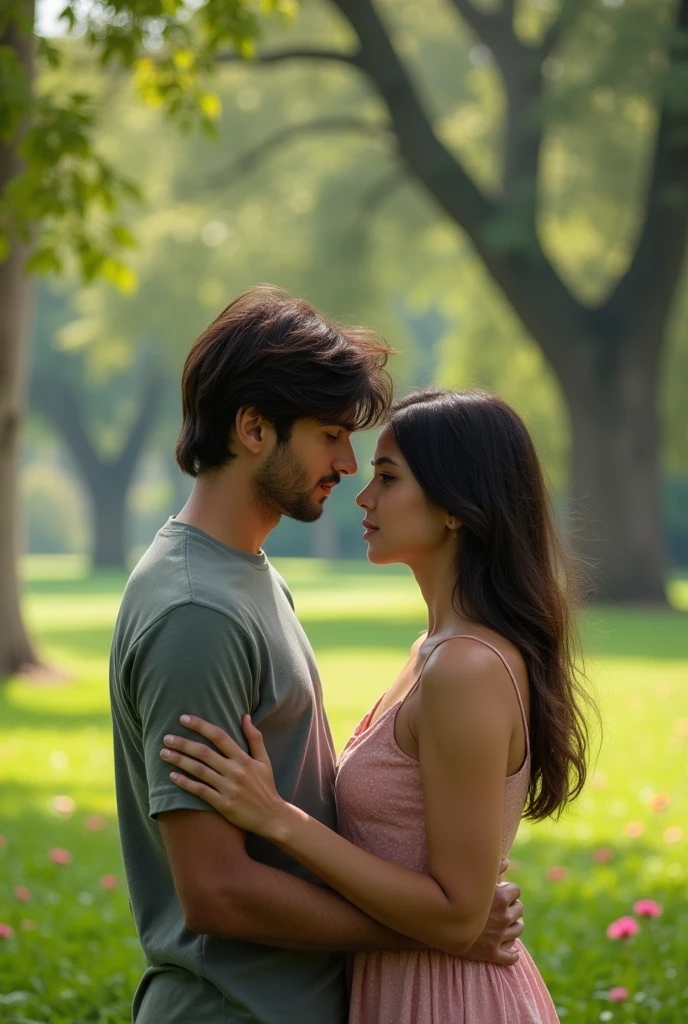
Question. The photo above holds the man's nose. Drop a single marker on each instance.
(346, 463)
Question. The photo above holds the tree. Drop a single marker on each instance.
(107, 479)
(605, 353)
(59, 198)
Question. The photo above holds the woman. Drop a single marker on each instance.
(483, 722)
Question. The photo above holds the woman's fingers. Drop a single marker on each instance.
(199, 751)
(217, 736)
(193, 767)
(199, 789)
(255, 740)
(514, 931)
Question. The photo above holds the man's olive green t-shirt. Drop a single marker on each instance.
(207, 630)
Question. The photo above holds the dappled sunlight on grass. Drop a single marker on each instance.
(78, 959)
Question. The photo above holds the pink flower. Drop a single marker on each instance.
(60, 856)
(617, 994)
(3, 842)
(674, 834)
(95, 823)
(557, 873)
(109, 882)
(603, 855)
(660, 801)
(634, 829)
(5, 931)
(63, 805)
(623, 928)
(22, 894)
(648, 908)
(28, 926)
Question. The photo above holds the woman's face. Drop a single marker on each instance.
(401, 524)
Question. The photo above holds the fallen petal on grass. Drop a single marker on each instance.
(5, 931)
(109, 882)
(22, 894)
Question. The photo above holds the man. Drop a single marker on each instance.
(234, 931)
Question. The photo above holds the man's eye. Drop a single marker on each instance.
(333, 437)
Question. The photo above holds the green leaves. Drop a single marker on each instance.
(66, 196)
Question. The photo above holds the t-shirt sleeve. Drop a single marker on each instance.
(197, 661)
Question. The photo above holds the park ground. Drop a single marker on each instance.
(68, 951)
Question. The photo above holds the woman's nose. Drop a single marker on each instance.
(363, 499)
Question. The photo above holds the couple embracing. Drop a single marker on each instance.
(269, 883)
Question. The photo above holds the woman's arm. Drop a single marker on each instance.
(464, 729)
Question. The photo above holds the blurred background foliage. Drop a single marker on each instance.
(325, 211)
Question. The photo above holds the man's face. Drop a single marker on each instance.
(297, 476)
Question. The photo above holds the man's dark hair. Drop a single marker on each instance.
(277, 353)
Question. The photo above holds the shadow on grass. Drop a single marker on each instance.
(84, 641)
(16, 717)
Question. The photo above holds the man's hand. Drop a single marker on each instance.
(504, 926)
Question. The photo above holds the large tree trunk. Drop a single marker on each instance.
(107, 481)
(16, 650)
(108, 491)
(617, 524)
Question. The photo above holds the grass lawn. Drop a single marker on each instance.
(72, 954)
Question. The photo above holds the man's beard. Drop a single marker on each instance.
(282, 486)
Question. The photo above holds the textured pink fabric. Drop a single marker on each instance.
(380, 804)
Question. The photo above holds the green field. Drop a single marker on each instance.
(72, 955)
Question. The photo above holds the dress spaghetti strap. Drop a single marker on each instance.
(505, 663)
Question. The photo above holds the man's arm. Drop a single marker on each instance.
(222, 891)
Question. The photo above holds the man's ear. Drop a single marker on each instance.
(252, 430)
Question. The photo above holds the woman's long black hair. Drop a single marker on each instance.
(473, 456)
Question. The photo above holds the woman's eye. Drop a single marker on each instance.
(386, 477)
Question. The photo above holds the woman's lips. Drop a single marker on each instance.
(369, 529)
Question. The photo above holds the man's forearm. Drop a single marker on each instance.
(278, 909)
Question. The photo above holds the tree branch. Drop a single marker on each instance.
(253, 157)
(649, 284)
(520, 67)
(528, 279)
(378, 194)
(482, 22)
(58, 401)
(281, 56)
(508, 10)
(569, 13)
(150, 404)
